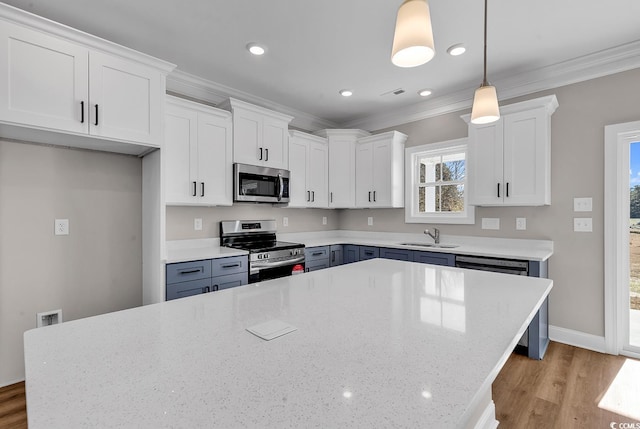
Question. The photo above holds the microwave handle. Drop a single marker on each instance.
(281, 187)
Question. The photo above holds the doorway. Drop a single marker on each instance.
(622, 239)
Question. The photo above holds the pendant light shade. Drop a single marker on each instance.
(485, 105)
(485, 101)
(413, 38)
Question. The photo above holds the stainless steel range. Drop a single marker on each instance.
(268, 258)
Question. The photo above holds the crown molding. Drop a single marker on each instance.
(603, 63)
(189, 85)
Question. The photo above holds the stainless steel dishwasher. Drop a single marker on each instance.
(499, 265)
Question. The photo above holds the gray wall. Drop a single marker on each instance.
(577, 133)
(180, 219)
(94, 270)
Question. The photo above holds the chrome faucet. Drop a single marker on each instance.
(435, 235)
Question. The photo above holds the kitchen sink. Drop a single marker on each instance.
(432, 245)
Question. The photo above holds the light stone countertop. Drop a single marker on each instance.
(380, 343)
(195, 250)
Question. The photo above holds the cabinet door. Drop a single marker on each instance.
(526, 158)
(317, 170)
(336, 255)
(381, 180)
(364, 175)
(434, 258)
(275, 139)
(485, 164)
(180, 155)
(319, 264)
(182, 290)
(299, 192)
(351, 253)
(397, 254)
(43, 80)
(214, 160)
(228, 281)
(126, 100)
(342, 172)
(247, 137)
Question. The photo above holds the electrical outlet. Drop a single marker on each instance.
(583, 204)
(285, 221)
(490, 223)
(61, 227)
(324, 220)
(370, 221)
(582, 224)
(197, 224)
(48, 318)
(521, 223)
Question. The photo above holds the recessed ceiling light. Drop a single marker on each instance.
(456, 50)
(425, 92)
(346, 92)
(255, 49)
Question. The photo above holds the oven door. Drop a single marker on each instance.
(260, 184)
(261, 271)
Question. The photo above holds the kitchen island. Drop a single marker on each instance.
(379, 343)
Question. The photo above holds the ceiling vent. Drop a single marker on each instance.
(393, 92)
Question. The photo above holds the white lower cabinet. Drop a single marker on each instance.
(510, 160)
(309, 168)
(380, 170)
(198, 154)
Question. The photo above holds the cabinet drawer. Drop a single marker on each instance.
(318, 264)
(315, 253)
(194, 287)
(397, 254)
(187, 271)
(447, 259)
(369, 252)
(232, 265)
(229, 281)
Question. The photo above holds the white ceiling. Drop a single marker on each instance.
(315, 48)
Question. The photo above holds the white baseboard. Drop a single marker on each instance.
(577, 338)
(488, 418)
(9, 383)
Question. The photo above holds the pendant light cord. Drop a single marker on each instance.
(484, 81)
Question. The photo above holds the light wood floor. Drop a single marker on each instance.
(562, 391)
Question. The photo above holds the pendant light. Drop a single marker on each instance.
(485, 101)
(413, 38)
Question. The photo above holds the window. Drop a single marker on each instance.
(436, 179)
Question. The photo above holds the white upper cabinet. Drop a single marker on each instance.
(54, 78)
(308, 164)
(342, 165)
(260, 136)
(380, 170)
(198, 154)
(510, 160)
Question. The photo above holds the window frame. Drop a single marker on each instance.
(412, 215)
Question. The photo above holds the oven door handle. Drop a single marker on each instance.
(276, 263)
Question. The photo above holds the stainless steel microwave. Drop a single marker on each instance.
(255, 184)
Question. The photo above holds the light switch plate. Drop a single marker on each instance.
(583, 204)
(490, 223)
(521, 223)
(583, 224)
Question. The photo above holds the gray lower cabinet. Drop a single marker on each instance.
(369, 252)
(397, 254)
(435, 258)
(207, 275)
(351, 253)
(316, 258)
(336, 254)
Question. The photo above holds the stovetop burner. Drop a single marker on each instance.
(257, 247)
